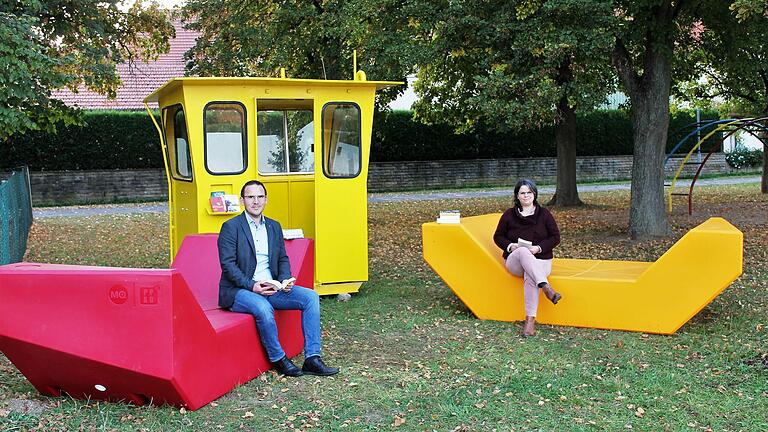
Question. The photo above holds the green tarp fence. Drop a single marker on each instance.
(15, 214)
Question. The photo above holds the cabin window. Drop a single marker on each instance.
(177, 144)
(342, 149)
(225, 142)
(286, 141)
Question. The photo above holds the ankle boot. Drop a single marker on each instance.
(528, 326)
(551, 294)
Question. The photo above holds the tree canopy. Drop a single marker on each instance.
(519, 64)
(509, 64)
(48, 45)
(310, 39)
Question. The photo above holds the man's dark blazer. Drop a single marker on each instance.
(238, 257)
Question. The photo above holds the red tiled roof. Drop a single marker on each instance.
(139, 79)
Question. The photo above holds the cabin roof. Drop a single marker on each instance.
(255, 81)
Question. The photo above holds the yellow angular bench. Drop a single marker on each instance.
(652, 297)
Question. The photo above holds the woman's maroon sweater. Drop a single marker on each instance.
(539, 228)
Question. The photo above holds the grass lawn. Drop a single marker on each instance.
(414, 358)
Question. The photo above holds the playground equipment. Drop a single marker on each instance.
(731, 126)
(657, 297)
(138, 335)
(218, 133)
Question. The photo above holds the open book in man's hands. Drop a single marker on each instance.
(524, 243)
(277, 285)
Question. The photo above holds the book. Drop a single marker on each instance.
(217, 194)
(218, 205)
(279, 286)
(293, 233)
(524, 243)
(232, 202)
(449, 217)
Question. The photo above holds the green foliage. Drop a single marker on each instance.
(48, 45)
(746, 9)
(509, 64)
(105, 140)
(120, 139)
(599, 133)
(308, 39)
(742, 157)
(732, 56)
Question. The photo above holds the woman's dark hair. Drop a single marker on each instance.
(532, 186)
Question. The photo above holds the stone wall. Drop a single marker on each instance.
(68, 187)
(392, 176)
(98, 186)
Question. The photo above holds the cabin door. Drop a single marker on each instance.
(341, 207)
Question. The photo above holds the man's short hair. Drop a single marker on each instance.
(251, 183)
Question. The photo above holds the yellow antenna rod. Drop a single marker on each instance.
(354, 64)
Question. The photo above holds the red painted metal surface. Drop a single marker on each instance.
(138, 335)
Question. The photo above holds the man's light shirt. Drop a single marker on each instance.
(261, 245)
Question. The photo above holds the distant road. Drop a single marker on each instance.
(119, 209)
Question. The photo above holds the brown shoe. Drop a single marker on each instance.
(528, 326)
(551, 294)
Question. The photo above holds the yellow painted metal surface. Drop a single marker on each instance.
(338, 288)
(328, 206)
(656, 297)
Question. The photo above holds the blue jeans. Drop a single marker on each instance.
(263, 310)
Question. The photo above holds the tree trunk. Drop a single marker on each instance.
(566, 192)
(764, 182)
(650, 122)
(648, 86)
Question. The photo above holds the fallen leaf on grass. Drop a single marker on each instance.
(248, 414)
(399, 421)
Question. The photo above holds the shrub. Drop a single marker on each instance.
(397, 137)
(122, 140)
(108, 140)
(742, 157)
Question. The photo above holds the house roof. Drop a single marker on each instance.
(139, 79)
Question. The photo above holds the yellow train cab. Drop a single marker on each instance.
(307, 140)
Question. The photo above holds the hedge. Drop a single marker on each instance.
(599, 133)
(108, 140)
(121, 140)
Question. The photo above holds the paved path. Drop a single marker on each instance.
(425, 196)
(119, 209)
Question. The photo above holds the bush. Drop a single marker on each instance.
(123, 140)
(741, 157)
(599, 133)
(108, 140)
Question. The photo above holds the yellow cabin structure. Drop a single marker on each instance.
(307, 140)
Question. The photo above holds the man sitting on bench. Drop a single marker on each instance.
(251, 252)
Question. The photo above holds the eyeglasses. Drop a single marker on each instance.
(255, 197)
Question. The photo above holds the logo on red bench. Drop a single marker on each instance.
(118, 294)
(148, 296)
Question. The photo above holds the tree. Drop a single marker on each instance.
(310, 39)
(47, 45)
(519, 64)
(648, 36)
(733, 56)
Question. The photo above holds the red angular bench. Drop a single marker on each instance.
(138, 335)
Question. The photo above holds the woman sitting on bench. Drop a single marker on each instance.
(527, 233)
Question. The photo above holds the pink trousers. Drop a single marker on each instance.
(521, 262)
